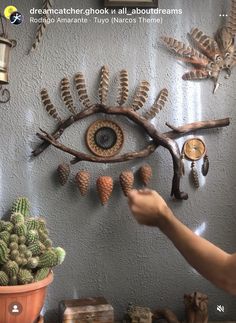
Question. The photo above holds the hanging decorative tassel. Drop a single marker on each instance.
(104, 188)
(205, 165)
(126, 181)
(194, 175)
(82, 180)
(63, 172)
(145, 173)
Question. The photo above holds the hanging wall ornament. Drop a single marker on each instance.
(145, 173)
(47, 5)
(63, 171)
(126, 181)
(210, 55)
(82, 180)
(104, 188)
(194, 149)
(105, 138)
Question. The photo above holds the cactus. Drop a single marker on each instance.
(11, 268)
(41, 274)
(5, 236)
(26, 252)
(24, 277)
(3, 252)
(20, 229)
(22, 206)
(17, 218)
(4, 280)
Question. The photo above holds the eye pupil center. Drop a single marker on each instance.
(105, 137)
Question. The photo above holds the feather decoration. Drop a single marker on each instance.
(123, 88)
(158, 105)
(141, 95)
(231, 23)
(194, 175)
(206, 44)
(66, 95)
(104, 85)
(205, 165)
(225, 40)
(51, 110)
(47, 4)
(186, 51)
(82, 91)
(195, 75)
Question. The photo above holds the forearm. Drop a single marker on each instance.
(209, 260)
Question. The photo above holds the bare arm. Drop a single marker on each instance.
(210, 261)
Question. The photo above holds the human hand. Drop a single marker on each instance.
(148, 207)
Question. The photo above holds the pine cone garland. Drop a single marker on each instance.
(145, 174)
(126, 181)
(82, 180)
(104, 188)
(63, 171)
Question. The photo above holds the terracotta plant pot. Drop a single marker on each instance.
(22, 304)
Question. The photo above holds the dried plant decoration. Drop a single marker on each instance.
(123, 87)
(157, 138)
(104, 85)
(82, 180)
(63, 171)
(51, 110)
(141, 96)
(104, 188)
(66, 95)
(47, 4)
(211, 55)
(145, 173)
(158, 105)
(205, 165)
(126, 181)
(82, 91)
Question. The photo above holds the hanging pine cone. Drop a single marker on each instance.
(104, 188)
(145, 174)
(194, 175)
(126, 181)
(63, 171)
(82, 180)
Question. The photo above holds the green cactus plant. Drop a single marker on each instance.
(4, 280)
(22, 206)
(26, 252)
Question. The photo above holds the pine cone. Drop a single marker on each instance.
(126, 181)
(63, 171)
(145, 174)
(82, 180)
(104, 188)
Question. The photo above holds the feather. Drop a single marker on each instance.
(183, 50)
(123, 88)
(194, 175)
(51, 110)
(231, 23)
(47, 4)
(158, 105)
(205, 43)
(82, 91)
(66, 95)
(104, 85)
(141, 96)
(195, 75)
(205, 165)
(225, 40)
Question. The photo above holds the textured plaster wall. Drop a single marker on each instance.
(108, 253)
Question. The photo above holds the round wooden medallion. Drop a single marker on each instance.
(104, 138)
(194, 149)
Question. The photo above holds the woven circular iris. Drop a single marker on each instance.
(104, 138)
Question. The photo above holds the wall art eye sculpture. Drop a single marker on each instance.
(210, 55)
(131, 111)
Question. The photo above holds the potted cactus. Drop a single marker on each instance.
(26, 261)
